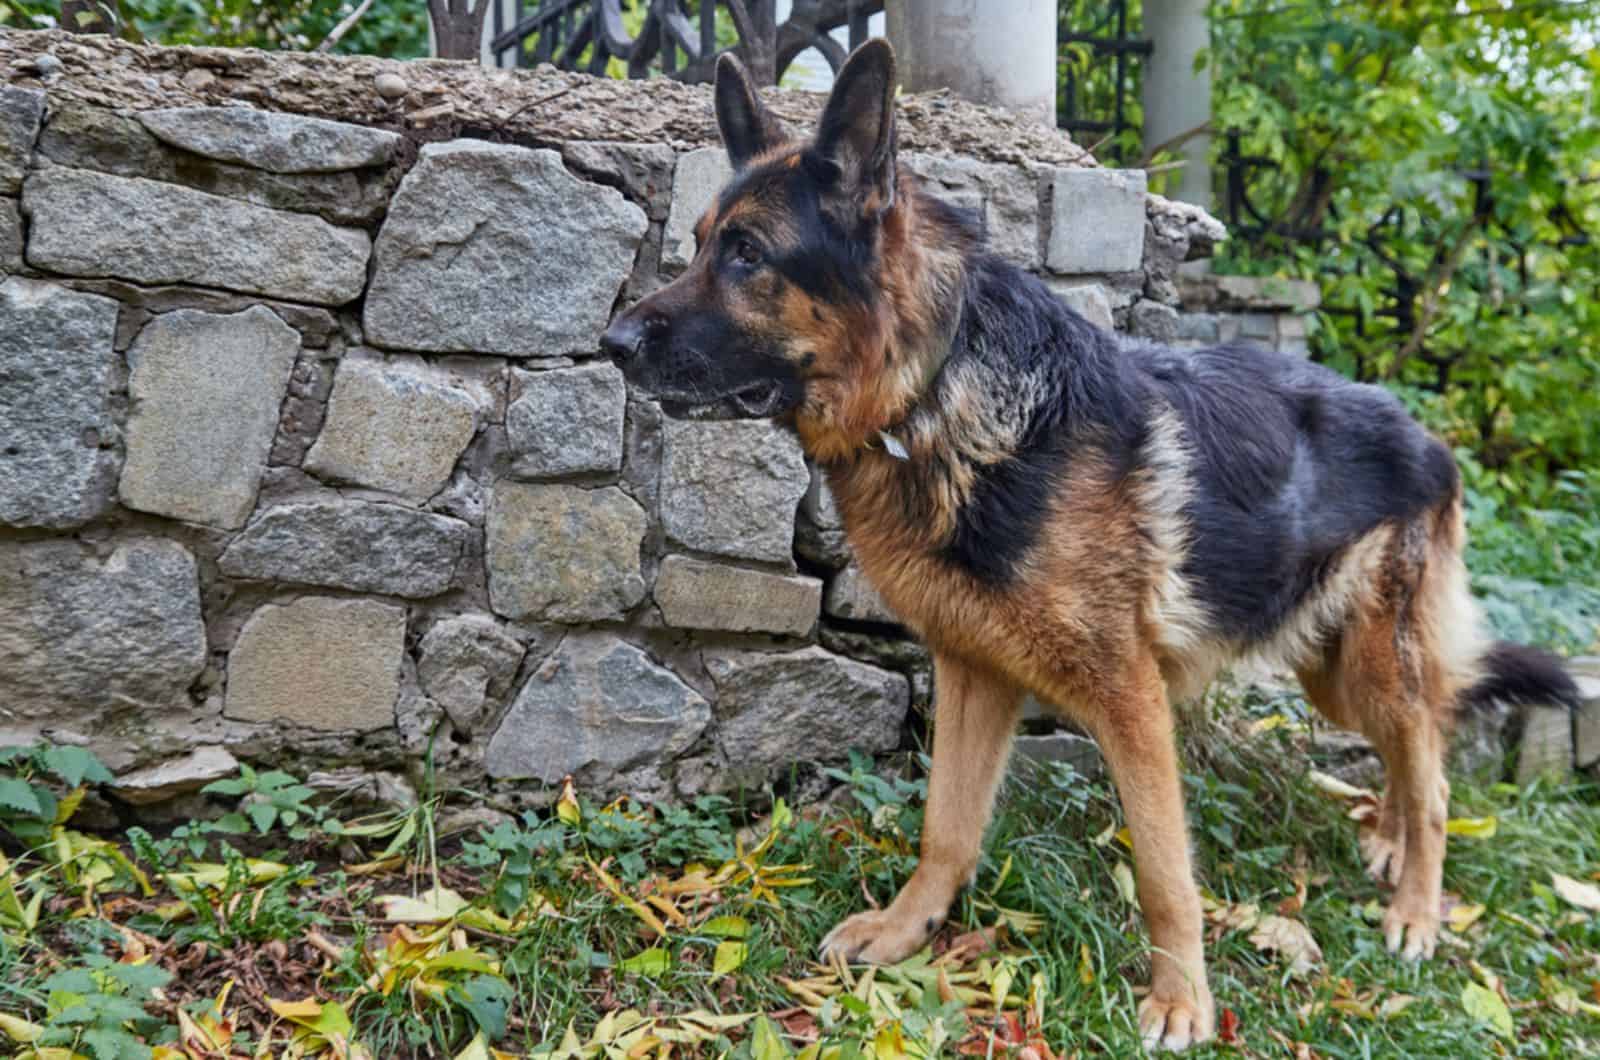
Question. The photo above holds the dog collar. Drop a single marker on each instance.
(893, 446)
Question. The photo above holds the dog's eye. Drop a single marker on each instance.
(747, 252)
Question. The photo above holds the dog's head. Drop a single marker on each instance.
(770, 315)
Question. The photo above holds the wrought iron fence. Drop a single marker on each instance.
(1097, 45)
(1300, 222)
(1096, 51)
(677, 38)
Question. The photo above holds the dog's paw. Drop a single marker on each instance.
(1175, 1023)
(1411, 929)
(1384, 856)
(878, 937)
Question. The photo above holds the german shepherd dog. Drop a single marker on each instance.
(1101, 522)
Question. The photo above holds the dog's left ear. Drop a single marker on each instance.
(856, 134)
(748, 128)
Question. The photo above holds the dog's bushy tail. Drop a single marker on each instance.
(1515, 673)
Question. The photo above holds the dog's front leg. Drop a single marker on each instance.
(975, 715)
(1134, 726)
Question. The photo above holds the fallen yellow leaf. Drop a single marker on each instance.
(1472, 827)
(1337, 788)
(1583, 895)
(1461, 917)
(432, 906)
(729, 957)
(1122, 876)
(1487, 1006)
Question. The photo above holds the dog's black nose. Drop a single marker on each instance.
(628, 333)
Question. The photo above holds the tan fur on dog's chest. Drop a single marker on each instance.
(1060, 629)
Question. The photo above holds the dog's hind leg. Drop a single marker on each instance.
(975, 716)
(1133, 724)
(1394, 675)
(1382, 836)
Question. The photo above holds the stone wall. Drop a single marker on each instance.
(305, 456)
(1266, 310)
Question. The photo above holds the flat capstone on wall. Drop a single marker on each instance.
(306, 456)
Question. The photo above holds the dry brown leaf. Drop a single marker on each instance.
(1289, 938)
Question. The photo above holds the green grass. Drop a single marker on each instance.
(1256, 819)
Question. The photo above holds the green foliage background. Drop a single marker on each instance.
(396, 28)
(1375, 115)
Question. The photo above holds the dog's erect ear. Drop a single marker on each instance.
(856, 133)
(747, 127)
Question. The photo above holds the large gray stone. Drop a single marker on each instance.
(282, 143)
(205, 393)
(701, 173)
(392, 428)
(177, 776)
(820, 536)
(693, 594)
(642, 171)
(851, 596)
(803, 706)
(466, 665)
(1150, 319)
(320, 663)
(819, 505)
(376, 548)
(95, 224)
(82, 634)
(1080, 752)
(1006, 197)
(732, 487)
(492, 248)
(596, 707)
(567, 421)
(1096, 220)
(1250, 293)
(10, 237)
(90, 137)
(21, 110)
(1546, 749)
(57, 467)
(563, 553)
(1089, 301)
(1586, 672)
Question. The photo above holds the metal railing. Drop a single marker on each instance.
(1096, 51)
(675, 37)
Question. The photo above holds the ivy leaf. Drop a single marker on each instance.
(74, 765)
(229, 786)
(486, 999)
(19, 795)
(262, 814)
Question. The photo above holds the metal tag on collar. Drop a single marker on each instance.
(893, 446)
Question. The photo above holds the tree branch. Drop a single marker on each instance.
(345, 26)
(1432, 297)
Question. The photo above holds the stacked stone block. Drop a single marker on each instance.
(305, 455)
(1265, 310)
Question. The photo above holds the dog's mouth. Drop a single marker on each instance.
(754, 401)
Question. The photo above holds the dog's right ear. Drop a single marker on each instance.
(748, 128)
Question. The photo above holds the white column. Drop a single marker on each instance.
(997, 53)
(1176, 99)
